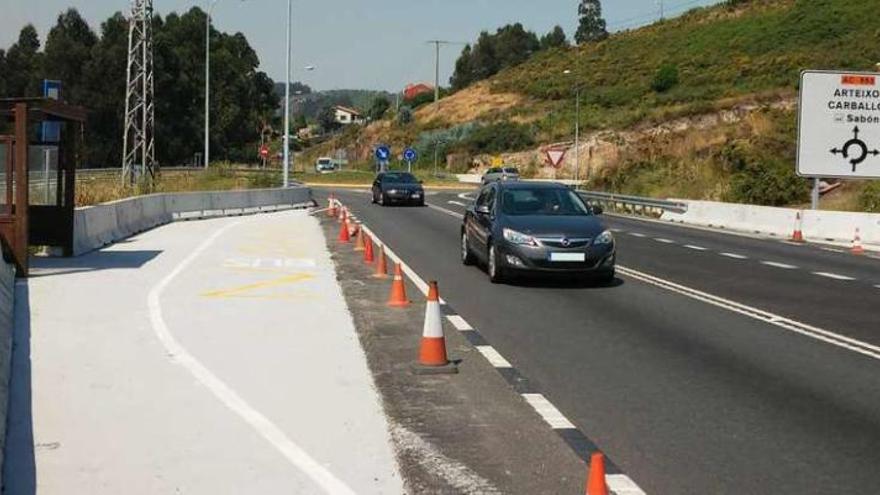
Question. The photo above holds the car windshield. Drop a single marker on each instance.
(542, 201)
(402, 178)
(511, 170)
(324, 161)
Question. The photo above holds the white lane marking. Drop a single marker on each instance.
(459, 323)
(621, 484)
(637, 234)
(877, 286)
(548, 411)
(459, 203)
(833, 276)
(444, 210)
(494, 357)
(466, 196)
(616, 230)
(827, 336)
(833, 250)
(413, 276)
(776, 264)
(664, 241)
(695, 248)
(234, 402)
(734, 256)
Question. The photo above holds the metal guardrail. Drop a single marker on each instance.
(99, 173)
(633, 203)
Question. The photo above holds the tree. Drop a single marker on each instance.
(327, 119)
(405, 116)
(299, 122)
(3, 72)
(591, 26)
(378, 108)
(509, 46)
(23, 62)
(554, 39)
(68, 52)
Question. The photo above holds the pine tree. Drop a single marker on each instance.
(554, 39)
(592, 26)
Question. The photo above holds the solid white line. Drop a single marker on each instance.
(494, 357)
(466, 196)
(833, 276)
(459, 323)
(637, 234)
(268, 430)
(459, 203)
(664, 241)
(827, 336)
(616, 230)
(621, 484)
(776, 264)
(734, 256)
(409, 272)
(877, 286)
(444, 210)
(695, 248)
(548, 411)
(833, 250)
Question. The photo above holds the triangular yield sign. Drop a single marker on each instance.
(555, 157)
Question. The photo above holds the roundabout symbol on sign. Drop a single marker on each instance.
(862, 150)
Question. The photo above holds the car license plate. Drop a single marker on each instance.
(416, 196)
(568, 257)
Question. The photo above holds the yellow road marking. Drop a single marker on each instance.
(275, 282)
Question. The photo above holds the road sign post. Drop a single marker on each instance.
(383, 156)
(409, 156)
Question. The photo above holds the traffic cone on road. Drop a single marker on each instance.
(344, 236)
(432, 352)
(798, 234)
(398, 298)
(596, 484)
(381, 264)
(368, 250)
(359, 239)
(857, 247)
(340, 213)
(331, 209)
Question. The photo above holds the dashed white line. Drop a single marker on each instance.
(459, 203)
(734, 256)
(695, 248)
(833, 276)
(493, 356)
(459, 323)
(664, 241)
(548, 411)
(776, 264)
(622, 484)
(616, 230)
(637, 234)
(877, 286)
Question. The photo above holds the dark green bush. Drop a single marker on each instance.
(665, 79)
(762, 178)
(869, 199)
(500, 137)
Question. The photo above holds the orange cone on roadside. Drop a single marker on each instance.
(344, 236)
(381, 264)
(331, 210)
(798, 234)
(432, 352)
(359, 239)
(596, 484)
(340, 212)
(857, 247)
(398, 298)
(368, 250)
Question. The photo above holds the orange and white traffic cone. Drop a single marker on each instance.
(398, 299)
(344, 236)
(359, 238)
(857, 247)
(432, 352)
(596, 484)
(381, 264)
(798, 234)
(331, 209)
(368, 250)
(340, 213)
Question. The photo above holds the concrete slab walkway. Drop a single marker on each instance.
(206, 357)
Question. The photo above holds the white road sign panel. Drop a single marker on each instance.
(839, 125)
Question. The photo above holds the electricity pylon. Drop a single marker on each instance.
(138, 146)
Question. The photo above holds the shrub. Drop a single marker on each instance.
(500, 137)
(665, 79)
(405, 116)
(869, 199)
(762, 178)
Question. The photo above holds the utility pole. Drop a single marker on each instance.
(660, 4)
(437, 44)
(138, 147)
(577, 135)
(286, 140)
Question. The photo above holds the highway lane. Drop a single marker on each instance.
(686, 397)
(831, 290)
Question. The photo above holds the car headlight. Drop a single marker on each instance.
(519, 238)
(392, 191)
(604, 238)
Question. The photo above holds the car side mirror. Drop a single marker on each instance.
(482, 209)
(597, 210)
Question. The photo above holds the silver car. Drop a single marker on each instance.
(500, 173)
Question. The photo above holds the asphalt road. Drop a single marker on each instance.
(685, 396)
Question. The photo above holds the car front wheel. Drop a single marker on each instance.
(496, 273)
(467, 257)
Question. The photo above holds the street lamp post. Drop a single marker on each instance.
(211, 5)
(577, 130)
(286, 141)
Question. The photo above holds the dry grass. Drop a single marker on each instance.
(473, 103)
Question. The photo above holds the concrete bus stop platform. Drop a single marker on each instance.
(210, 357)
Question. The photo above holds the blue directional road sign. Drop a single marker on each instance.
(410, 155)
(383, 153)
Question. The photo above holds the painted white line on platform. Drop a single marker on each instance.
(695, 248)
(493, 356)
(833, 276)
(234, 402)
(827, 336)
(459, 323)
(664, 241)
(637, 234)
(734, 256)
(776, 264)
(621, 484)
(548, 411)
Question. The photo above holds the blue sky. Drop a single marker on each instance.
(375, 44)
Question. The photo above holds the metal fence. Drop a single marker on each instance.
(633, 204)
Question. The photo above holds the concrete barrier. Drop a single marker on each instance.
(7, 306)
(817, 225)
(99, 225)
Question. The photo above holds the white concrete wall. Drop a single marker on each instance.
(99, 225)
(822, 226)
